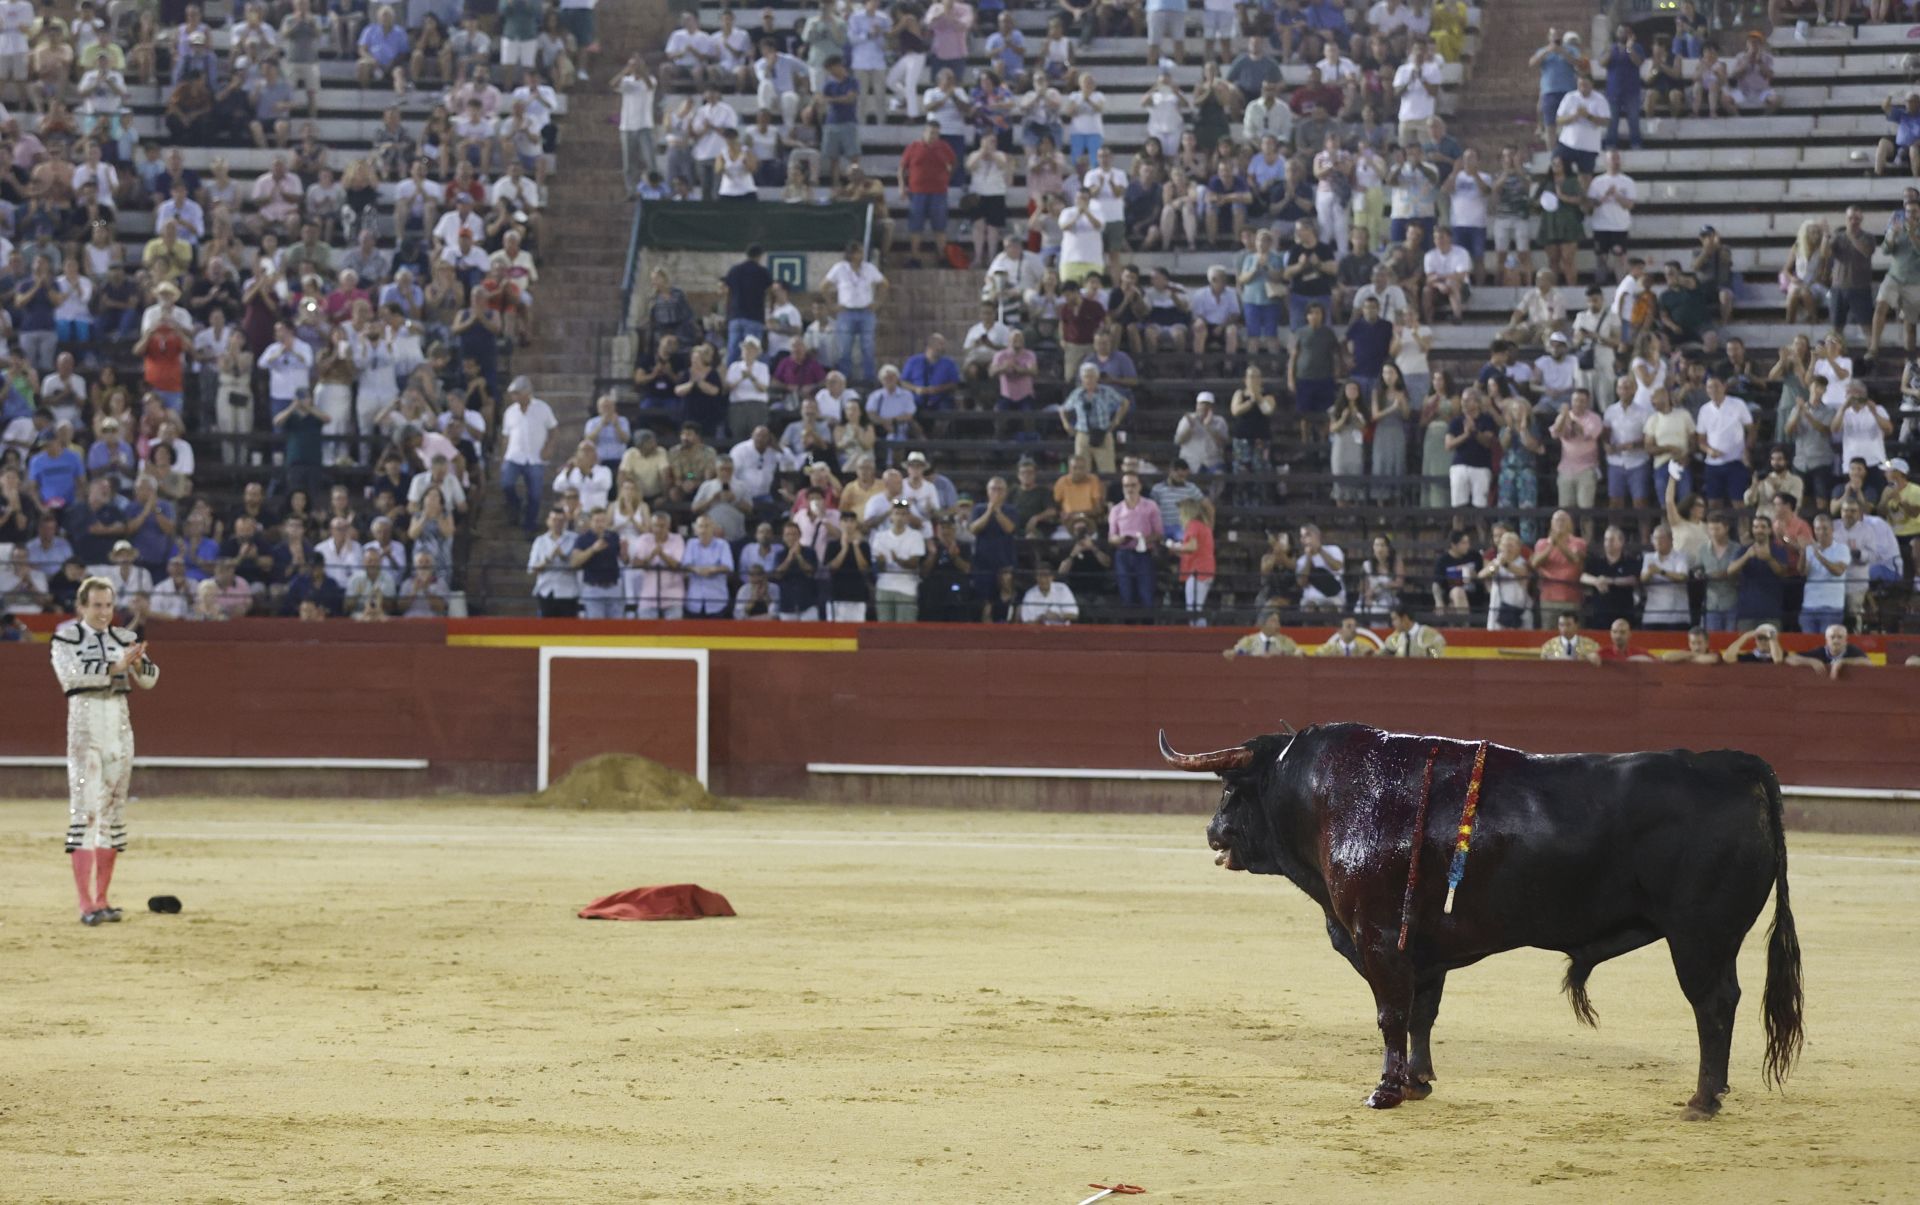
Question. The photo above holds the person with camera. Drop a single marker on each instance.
(1091, 413)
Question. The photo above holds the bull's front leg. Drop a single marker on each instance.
(1390, 974)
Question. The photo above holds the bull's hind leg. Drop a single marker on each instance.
(1426, 1007)
(1390, 975)
(1712, 985)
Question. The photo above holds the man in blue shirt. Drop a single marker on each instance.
(383, 46)
(932, 376)
(746, 285)
(1906, 136)
(56, 472)
(840, 137)
(94, 525)
(1625, 91)
(1368, 338)
(1559, 65)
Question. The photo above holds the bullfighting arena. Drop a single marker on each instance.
(392, 1001)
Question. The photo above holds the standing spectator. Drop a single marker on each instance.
(1629, 467)
(528, 425)
(1724, 432)
(927, 167)
(1761, 571)
(1417, 86)
(1612, 195)
(855, 285)
(1470, 440)
(745, 289)
(898, 553)
(655, 578)
(1625, 88)
(1133, 530)
(1559, 64)
(1665, 571)
(1201, 437)
(1612, 578)
(1581, 120)
(1827, 560)
(1579, 429)
(1558, 560)
(1091, 414)
(1194, 545)
(556, 587)
(304, 427)
(1900, 507)
(747, 381)
(1850, 289)
(1107, 185)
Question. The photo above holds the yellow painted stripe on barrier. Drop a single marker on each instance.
(753, 644)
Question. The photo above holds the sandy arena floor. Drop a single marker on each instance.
(394, 1003)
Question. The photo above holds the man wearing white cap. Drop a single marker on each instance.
(1900, 507)
(1554, 375)
(1201, 437)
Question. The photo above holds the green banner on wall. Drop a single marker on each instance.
(731, 225)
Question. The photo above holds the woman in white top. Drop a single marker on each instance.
(1649, 369)
(990, 168)
(1086, 127)
(1804, 279)
(1834, 364)
(1506, 577)
(734, 167)
(630, 515)
(1166, 108)
(1864, 427)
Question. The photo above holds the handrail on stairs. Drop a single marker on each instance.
(627, 280)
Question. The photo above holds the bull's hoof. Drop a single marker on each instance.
(1419, 1089)
(1696, 1113)
(1384, 1097)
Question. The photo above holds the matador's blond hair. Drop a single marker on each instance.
(88, 587)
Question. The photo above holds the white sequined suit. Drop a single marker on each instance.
(99, 732)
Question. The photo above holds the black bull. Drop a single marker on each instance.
(1592, 855)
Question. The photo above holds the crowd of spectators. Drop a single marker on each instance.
(1361, 223)
(278, 402)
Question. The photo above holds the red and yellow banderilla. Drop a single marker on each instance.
(1464, 841)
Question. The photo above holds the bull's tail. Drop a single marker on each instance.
(1782, 998)
(1575, 986)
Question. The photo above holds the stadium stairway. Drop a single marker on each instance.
(577, 302)
(1493, 113)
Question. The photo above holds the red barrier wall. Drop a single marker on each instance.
(944, 696)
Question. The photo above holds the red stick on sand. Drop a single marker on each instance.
(1111, 1190)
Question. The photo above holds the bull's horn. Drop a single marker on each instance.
(1216, 762)
(1286, 727)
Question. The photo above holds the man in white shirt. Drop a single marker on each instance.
(1873, 550)
(1599, 328)
(688, 49)
(855, 286)
(710, 122)
(289, 365)
(784, 324)
(1582, 122)
(585, 473)
(1723, 429)
(756, 462)
(1629, 466)
(1417, 84)
(1664, 572)
(1555, 376)
(1107, 185)
(556, 583)
(1447, 268)
(636, 86)
(446, 231)
(526, 427)
(339, 552)
(897, 552)
(1201, 437)
(1613, 194)
(1018, 270)
(1048, 600)
(983, 341)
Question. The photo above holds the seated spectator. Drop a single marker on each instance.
(1834, 653)
(1048, 601)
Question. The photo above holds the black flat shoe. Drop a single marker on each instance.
(91, 919)
(111, 914)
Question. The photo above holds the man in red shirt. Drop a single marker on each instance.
(926, 171)
(164, 358)
(1619, 646)
(1081, 317)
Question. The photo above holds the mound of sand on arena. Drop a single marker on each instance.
(623, 782)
